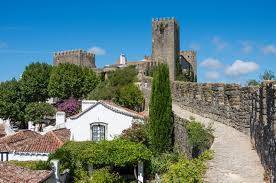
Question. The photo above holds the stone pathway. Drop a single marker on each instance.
(234, 161)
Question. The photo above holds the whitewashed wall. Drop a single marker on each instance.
(80, 127)
(28, 156)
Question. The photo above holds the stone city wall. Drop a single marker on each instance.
(263, 126)
(251, 110)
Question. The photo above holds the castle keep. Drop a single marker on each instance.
(165, 43)
(77, 57)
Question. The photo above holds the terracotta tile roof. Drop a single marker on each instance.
(114, 107)
(2, 130)
(63, 134)
(47, 143)
(29, 141)
(18, 140)
(13, 174)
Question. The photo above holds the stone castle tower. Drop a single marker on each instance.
(165, 43)
(77, 57)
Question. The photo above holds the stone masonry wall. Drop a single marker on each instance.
(251, 110)
(263, 126)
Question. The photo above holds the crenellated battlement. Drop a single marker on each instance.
(77, 57)
(163, 19)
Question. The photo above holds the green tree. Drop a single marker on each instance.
(37, 112)
(268, 75)
(160, 114)
(91, 80)
(11, 103)
(66, 81)
(34, 82)
(122, 77)
(130, 96)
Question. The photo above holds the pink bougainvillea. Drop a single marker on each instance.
(70, 106)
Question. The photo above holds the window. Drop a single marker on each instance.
(98, 131)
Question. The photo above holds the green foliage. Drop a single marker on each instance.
(102, 92)
(34, 82)
(91, 80)
(122, 77)
(120, 88)
(69, 80)
(160, 114)
(103, 175)
(160, 164)
(252, 82)
(37, 112)
(188, 171)
(268, 75)
(33, 165)
(136, 133)
(199, 137)
(119, 153)
(12, 104)
(130, 96)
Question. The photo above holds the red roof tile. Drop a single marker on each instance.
(49, 142)
(13, 174)
(28, 141)
(16, 141)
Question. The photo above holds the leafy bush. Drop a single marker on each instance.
(136, 133)
(188, 171)
(104, 175)
(120, 88)
(199, 137)
(33, 165)
(130, 96)
(160, 164)
(70, 106)
(118, 153)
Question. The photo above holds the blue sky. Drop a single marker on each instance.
(236, 37)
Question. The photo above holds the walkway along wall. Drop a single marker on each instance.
(250, 110)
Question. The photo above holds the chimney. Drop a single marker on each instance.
(85, 104)
(60, 118)
(31, 126)
(55, 168)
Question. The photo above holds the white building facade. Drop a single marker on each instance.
(98, 120)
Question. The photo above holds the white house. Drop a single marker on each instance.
(98, 120)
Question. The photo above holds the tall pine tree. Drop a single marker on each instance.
(160, 113)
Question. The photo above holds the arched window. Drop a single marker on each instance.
(98, 131)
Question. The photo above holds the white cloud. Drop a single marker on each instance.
(194, 46)
(246, 47)
(269, 49)
(240, 67)
(211, 63)
(219, 43)
(212, 75)
(97, 50)
(3, 44)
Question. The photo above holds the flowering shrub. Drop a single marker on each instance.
(136, 133)
(70, 106)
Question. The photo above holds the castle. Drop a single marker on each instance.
(77, 57)
(165, 49)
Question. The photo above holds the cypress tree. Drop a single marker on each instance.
(160, 112)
